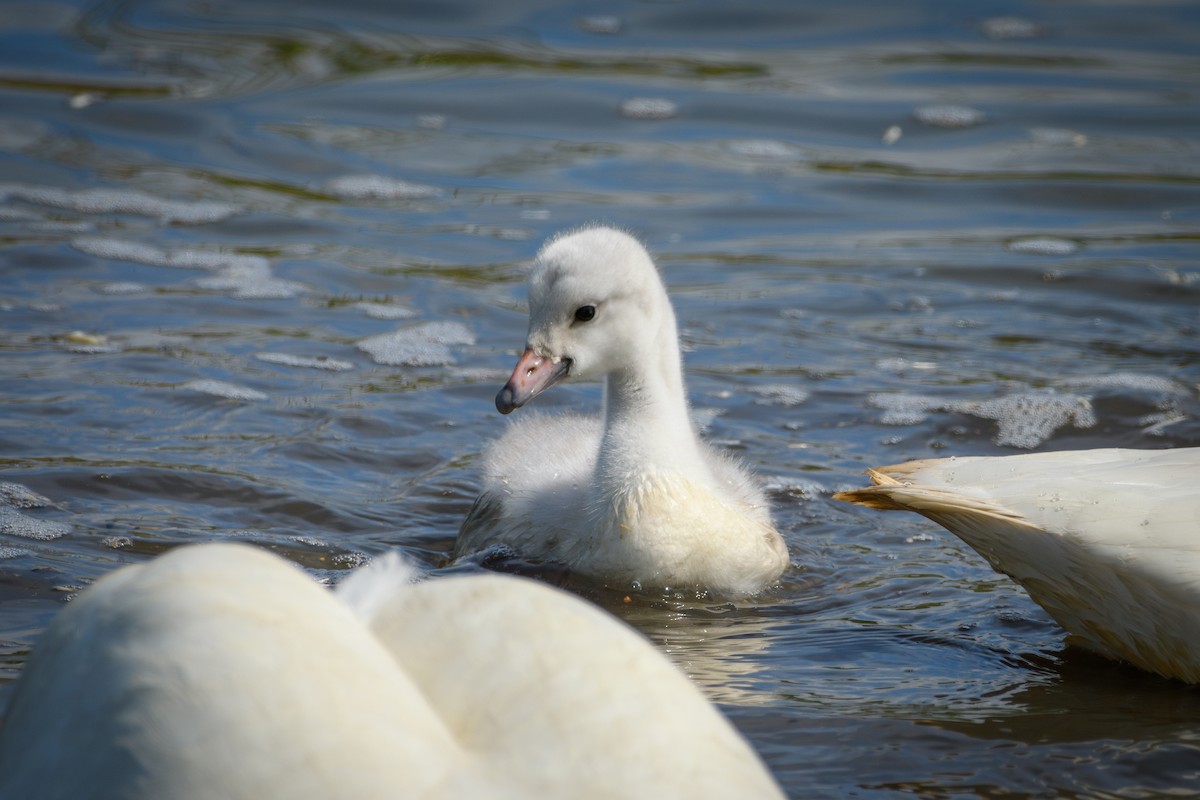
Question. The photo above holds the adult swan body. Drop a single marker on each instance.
(1107, 541)
(633, 495)
(221, 672)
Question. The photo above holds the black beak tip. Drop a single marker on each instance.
(505, 402)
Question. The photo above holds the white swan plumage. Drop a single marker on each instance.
(1106, 541)
(222, 671)
(633, 496)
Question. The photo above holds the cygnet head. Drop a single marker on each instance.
(596, 306)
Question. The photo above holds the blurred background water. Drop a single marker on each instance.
(261, 274)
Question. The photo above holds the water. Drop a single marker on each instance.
(262, 276)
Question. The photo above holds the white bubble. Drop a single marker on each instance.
(17, 523)
(18, 496)
(121, 250)
(904, 364)
(797, 487)
(780, 394)
(288, 360)
(905, 409)
(244, 277)
(83, 100)
(763, 148)
(229, 391)
(377, 187)
(1011, 28)
(121, 201)
(121, 288)
(386, 310)
(949, 116)
(1058, 136)
(1136, 381)
(649, 108)
(1028, 419)
(1043, 246)
(425, 345)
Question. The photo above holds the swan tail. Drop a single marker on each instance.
(890, 493)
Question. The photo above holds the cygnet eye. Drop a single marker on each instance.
(585, 313)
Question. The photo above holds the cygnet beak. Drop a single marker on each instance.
(533, 375)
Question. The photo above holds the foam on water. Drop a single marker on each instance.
(1011, 28)
(386, 310)
(1058, 136)
(17, 523)
(122, 250)
(805, 488)
(18, 496)
(178, 258)
(120, 201)
(244, 277)
(1043, 246)
(426, 345)
(251, 283)
(230, 391)
(763, 148)
(377, 187)
(902, 408)
(649, 108)
(948, 116)
(780, 394)
(121, 288)
(1134, 381)
(901, 365)
(1026, 420)
(288, 360)
(91, 349)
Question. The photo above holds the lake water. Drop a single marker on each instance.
(262, 275)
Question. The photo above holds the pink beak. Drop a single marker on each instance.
(533, 375)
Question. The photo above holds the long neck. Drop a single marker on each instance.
(647, 424)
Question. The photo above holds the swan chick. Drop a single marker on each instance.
(634, 495)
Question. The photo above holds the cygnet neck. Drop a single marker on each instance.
(647, 423)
